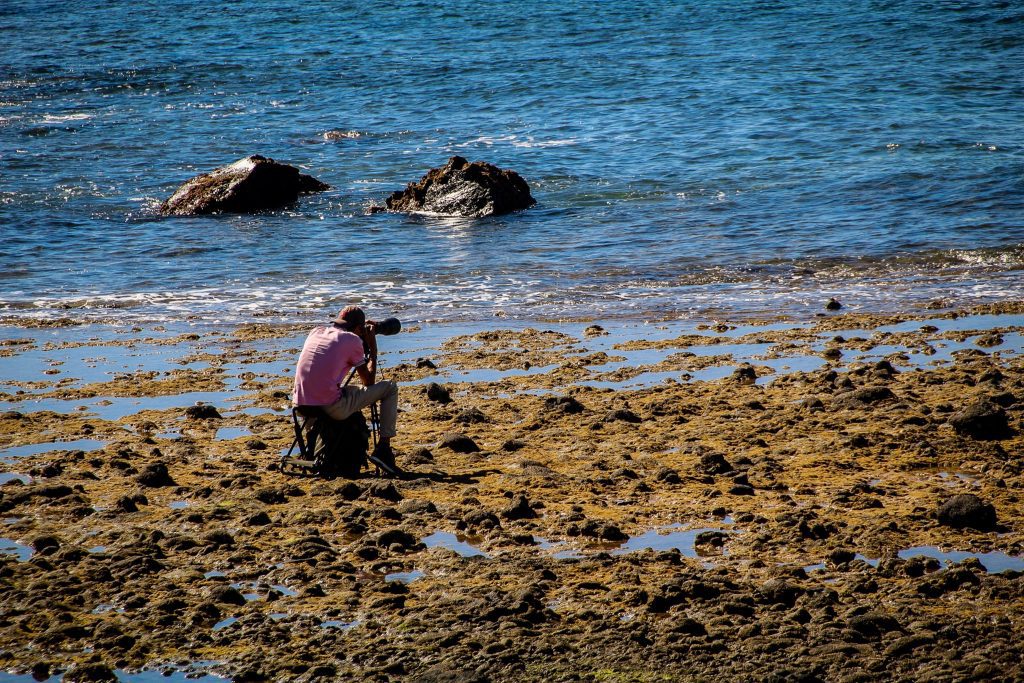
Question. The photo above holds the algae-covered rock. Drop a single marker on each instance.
(967, 511)
(460, 188)
(254, 183)
(981, 420)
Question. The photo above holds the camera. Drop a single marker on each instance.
(388, 326)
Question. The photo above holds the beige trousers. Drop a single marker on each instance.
(355, 398)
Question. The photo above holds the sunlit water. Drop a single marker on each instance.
(686, 157)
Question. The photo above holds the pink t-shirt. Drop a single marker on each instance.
(327, 356)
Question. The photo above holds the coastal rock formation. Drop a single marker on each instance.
(967, 511)
(981, 420)
(460, 188)
(254, 183)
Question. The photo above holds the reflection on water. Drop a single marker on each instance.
(18, 550)
(994, 562)
(51, 446)
(456, 543)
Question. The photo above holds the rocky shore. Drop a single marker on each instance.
(772, 502)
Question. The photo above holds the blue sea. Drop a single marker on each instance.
(689, 159)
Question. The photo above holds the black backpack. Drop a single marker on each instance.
(327, 447)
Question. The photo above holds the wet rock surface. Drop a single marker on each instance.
(255, 183)
(777, 533)
(460, 188)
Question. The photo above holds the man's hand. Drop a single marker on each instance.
(368, 373)
(370, 338)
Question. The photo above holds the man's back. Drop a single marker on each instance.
(327, 356)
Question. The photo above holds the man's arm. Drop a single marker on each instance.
(368, 372)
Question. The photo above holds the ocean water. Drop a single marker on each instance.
(689, 159)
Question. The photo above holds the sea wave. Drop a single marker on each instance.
(747, 292)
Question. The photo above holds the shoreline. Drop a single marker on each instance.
(679, 500)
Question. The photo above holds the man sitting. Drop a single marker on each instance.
(327, 357)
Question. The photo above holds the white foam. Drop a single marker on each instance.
(63, 118)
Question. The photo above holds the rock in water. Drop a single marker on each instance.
(250, 184)
(460, 188)
(967, 510)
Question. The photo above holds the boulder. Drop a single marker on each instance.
(438, 393)
(967, 510)
(519, 509)
(981, 420)
(744, 375)
(460, 443)
(254, 183)
(202, 411)
(864, 396)
(460, 188)
(155, 475)
(563, 404)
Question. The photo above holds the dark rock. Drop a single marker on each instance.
(513, 445)
(437, 393)
(350, 491)
(396, 537)
(219, 538)
(813, 403)
(982, 420)
(1004, 399)
(126, 504)
(840, 556)
(902, 646)
(460, 188)
(155, 475)
(714, 463)
(94, 672)
(741, 490)
(420, 456)
(251, 184)
(612, 533)
(858, 398)
(519, 509)
(622, 415)
(744, 375)
(45, 545)
(874, 624)
(271, 495)
(715, 539)
(425, 363)
(258, 519)
(226, 595)
(202, 411)
(482, 519)
(460, 443)
(563, 404)
(382, 490)
(967, 511)
(779, 591)
(667, 475)
(689, 627)
(989, 340)
(471, 416)
(833, 305)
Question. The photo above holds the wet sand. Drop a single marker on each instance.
(646, 502)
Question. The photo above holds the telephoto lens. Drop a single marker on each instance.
(389, 326)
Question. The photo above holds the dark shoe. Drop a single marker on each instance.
(384, 459)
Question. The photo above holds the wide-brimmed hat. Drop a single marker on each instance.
(351, 316)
